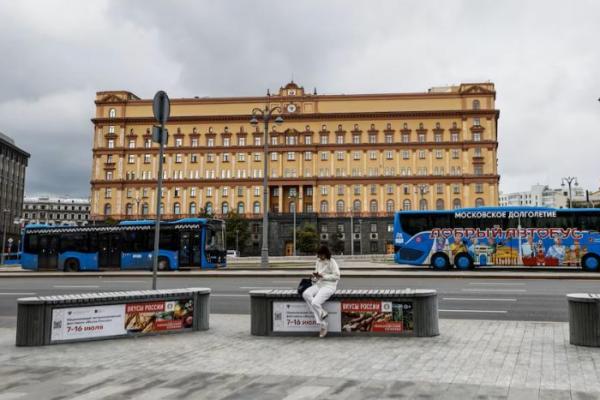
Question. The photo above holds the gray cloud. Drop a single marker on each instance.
(541, 55)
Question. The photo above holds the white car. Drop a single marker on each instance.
(233, 253)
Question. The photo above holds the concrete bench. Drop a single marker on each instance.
(95, 316)
(584, 319)
(406, 312)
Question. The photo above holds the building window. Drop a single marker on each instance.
(454, 137)
(324, 155)
(373, 228)
(148, 143)
(241, 141)
(422, 204)
(241, 157)
(373, 206)
(422, 154)
(291, 155)
(110, 144)
(389, 139)
(131, 159)
(224, 208)
(439, 204)
(476, 137)
(107, 209)
(389, 206)
(478, 170)
(456, 204)
(240, 208)
(339, 206)
(479, 188)
(109, 175)
(476, 122)
(340, 155)
(324, 206)
(112, 113)
(176, 208)
(256, 207)
(178, 142)
(339, 139)
(372, 155)
(194, 142)
(405, 138)
(192, 208)
(456, 189)
(308, 155)
(208, 207)
(273, 156)
(476, 105)
(307, 139)
(324, 139)
(421, 138)
(372, 138)
(111, 130)
(178, 158)
(389, 155)
(356, 139)
(210, 142)
(356, 206)
(438, 137)
(455, 154)
(406, 205)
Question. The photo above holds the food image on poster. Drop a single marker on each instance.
(159, 316)
(377, 316)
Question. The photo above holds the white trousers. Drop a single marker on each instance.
(315, 297)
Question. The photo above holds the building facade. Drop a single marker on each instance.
(56, 211)
(543, 196)
(13, 162)
(365, 154)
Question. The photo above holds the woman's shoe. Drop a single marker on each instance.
(324, 315)
(323, 331)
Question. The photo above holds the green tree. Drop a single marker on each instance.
(336, 243)
(307, 238)
(235, 224)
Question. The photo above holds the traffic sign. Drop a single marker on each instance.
(160, 135)
(161, 107)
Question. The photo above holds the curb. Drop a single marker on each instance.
(306, 272)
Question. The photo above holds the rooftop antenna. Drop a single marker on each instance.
(292, 77)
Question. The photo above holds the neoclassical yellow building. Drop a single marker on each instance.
(371, 154)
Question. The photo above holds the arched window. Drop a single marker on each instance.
(339, 206)
(406, 205)
(128, 209)
(208, 208)
(256, 207)
(107, 209)
(324, 206)
(224, 208)
(176, 208)
(292, 206)
(439, 204)
(145, 209)
(192, 208)
(240, 208)
(389, 205)
(373, 206)
(112, 113)
(422, 204)
(476, 105)
(456, 204)
(162, 208)
(479, 202)
(356, 206)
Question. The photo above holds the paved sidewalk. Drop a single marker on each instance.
(469, 360)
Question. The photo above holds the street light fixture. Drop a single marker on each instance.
(422, 189)
(266, 115)
(570, 180)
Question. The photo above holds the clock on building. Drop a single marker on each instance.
(291, 108)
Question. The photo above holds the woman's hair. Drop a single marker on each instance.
(324, 251)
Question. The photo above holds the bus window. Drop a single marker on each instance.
(31, 244)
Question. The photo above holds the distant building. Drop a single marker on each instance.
(13, 162)
(543, 196)
(56, 211)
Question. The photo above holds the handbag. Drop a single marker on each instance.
(304, 284)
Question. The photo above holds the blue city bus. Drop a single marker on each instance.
(509, 236)
(185, 243)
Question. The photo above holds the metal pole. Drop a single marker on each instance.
(570, 198)
(236, 242)
(264, 252)
(294, 227)
(351, 233)
(158, 201)
(3, 237)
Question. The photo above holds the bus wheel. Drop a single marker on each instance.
(440, 261)
(163, 264)
(590, 262)
(463, 261)
(71, 265)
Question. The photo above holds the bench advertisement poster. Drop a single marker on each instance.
(295, 316)
(377, 316)
(77, 323)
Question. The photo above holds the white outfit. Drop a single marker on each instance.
(323, 288)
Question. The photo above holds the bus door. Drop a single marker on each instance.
(109, 250)
(48, 252)
(189, 248)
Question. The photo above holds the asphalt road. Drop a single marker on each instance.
(496, 299)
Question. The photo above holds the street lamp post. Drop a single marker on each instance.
(4, 213)
(570, 180)
(293, 197)
(137, 200)
(351, 233)
(266, 115)
(236, 243)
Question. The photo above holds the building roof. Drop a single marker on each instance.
(8, 141)
(57, 200)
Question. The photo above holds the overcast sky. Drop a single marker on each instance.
(543, 56)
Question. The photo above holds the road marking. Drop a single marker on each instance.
(493, 290)
(76, 287)
(228, 295)
(473, 299)
(264, 287)
(109, 281)
(497, 283)
(17, 294)
(477, 311)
